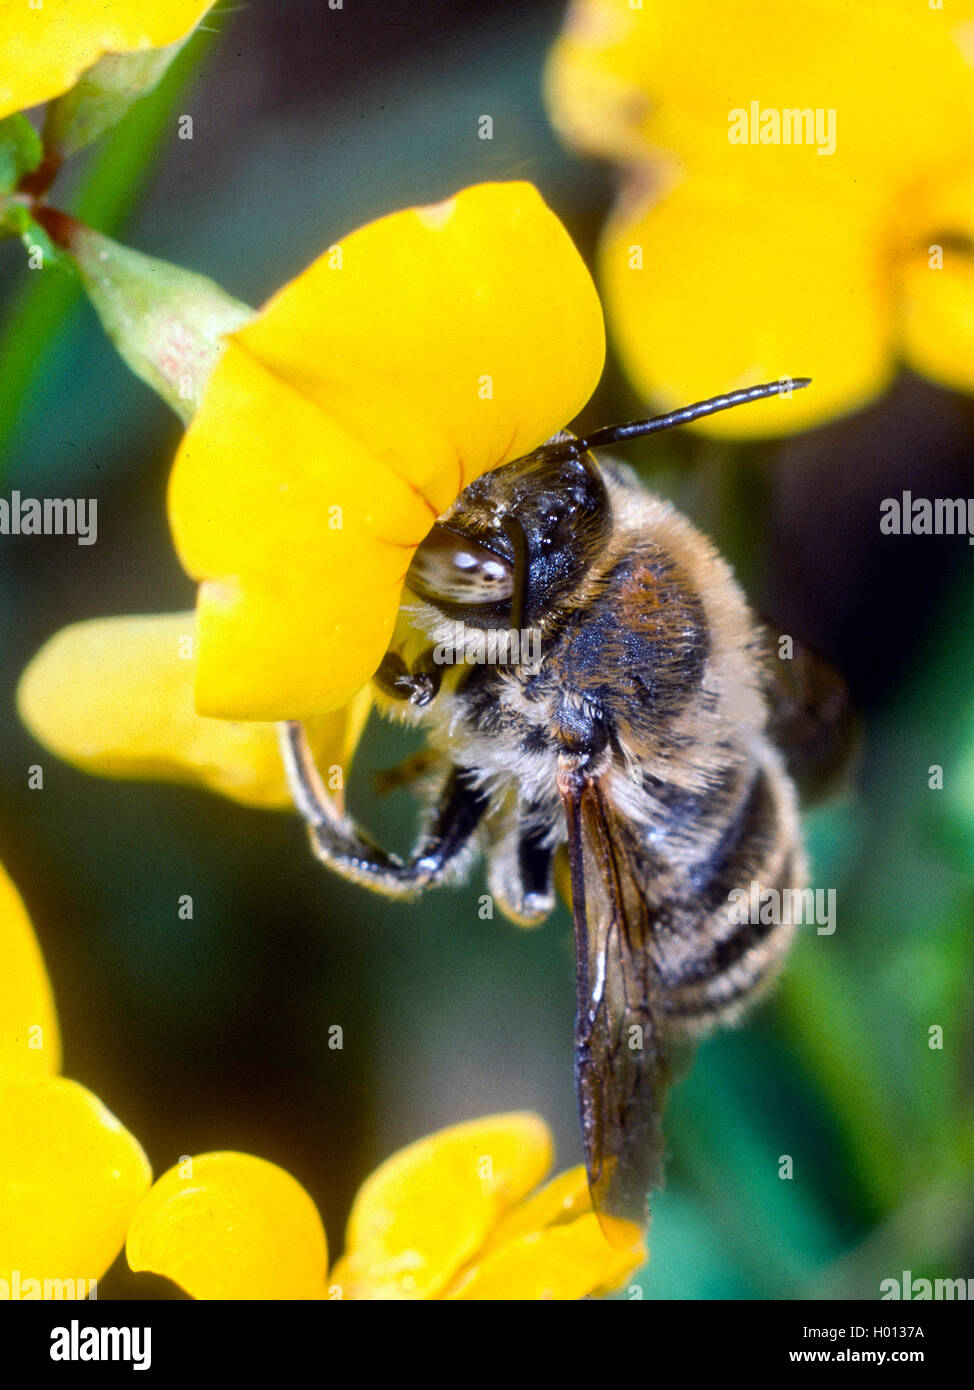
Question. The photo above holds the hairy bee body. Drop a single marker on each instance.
(655, 662)
(592, 681)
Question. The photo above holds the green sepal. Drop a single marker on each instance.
(102, 96)
(167, 323)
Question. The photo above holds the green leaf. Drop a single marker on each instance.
(20, 151)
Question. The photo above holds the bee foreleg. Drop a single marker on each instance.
(338, 842)
(418, 685)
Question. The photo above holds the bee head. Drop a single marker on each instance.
(518, 540)
(515, 543)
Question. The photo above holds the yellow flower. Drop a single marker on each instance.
(336, 426)
(798, 197)
(421, 351)
(115, 696)
(45, 49)
(70, 1174)
(454, 1216)
(414, 355)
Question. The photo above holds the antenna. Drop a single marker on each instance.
(635, 429)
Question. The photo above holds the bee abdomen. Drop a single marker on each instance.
(724, 942)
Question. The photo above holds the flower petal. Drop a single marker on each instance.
(563, 1199)
(70, 1178)
(30, 1045)
(229, 1225)
(937, 324)
(796, 141)
(735, 289)
(115, 696)
(628, 80)
(562, 1262)
(45, 49)
(428, 347)
(430, 1207)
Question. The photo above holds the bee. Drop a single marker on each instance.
(608, 694)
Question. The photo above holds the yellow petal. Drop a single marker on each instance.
(44, 50)
(599, 78)
(70, 1178)
(228, 1225)
(422, 350)
(115, 696)
(563, 1199)
(562, 1262)
(628, 80)
(937, 259)
(779, 152)
(530, 1255)
(430, 1207)
(30, 1045)
(736, 289)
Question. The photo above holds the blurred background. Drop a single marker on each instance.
(212, 1033)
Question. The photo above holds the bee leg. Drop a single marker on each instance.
(418, 686)
(520, 875)
(338, 842)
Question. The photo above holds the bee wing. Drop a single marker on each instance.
(812, 719)
(622, 1070)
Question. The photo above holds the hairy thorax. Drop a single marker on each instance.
(645, 674)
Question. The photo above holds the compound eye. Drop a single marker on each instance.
(450, 568)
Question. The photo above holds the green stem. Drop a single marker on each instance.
(844, 1056)
(112, 188)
